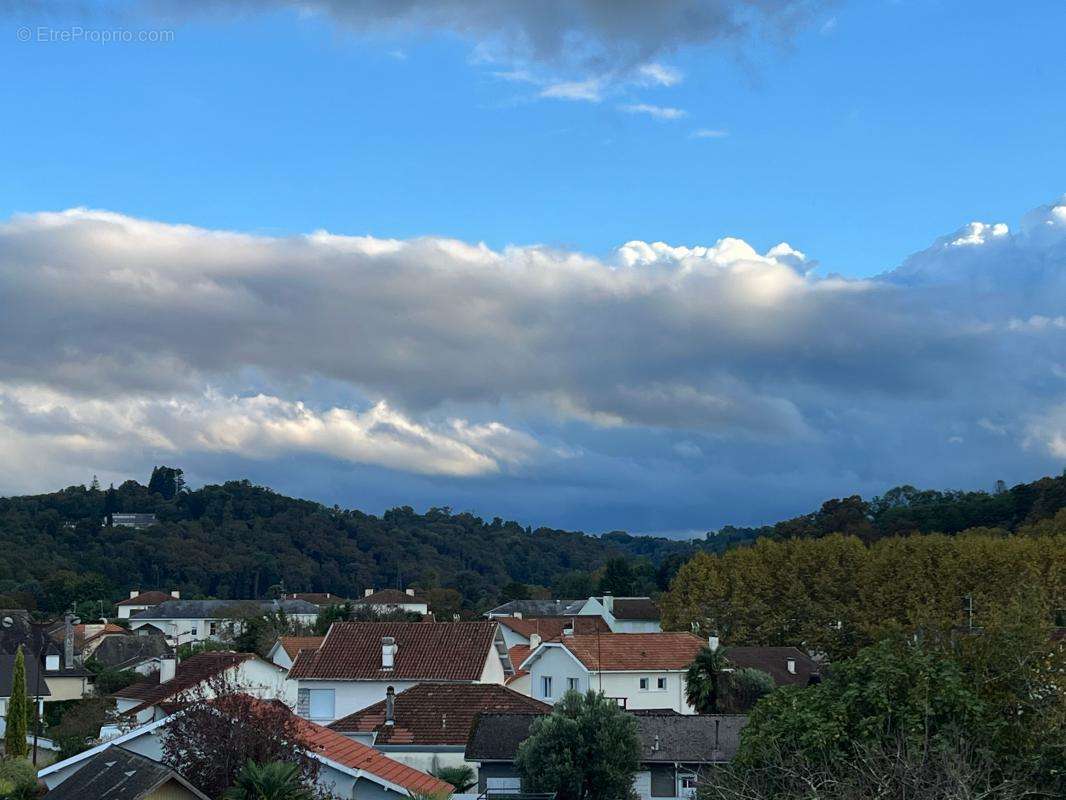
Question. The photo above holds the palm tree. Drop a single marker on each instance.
(705, 681)
(276, 780)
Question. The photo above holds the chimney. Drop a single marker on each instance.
(390, 706)
(517, 615)
(367, 592)
(608, 601)
(410, 592)
(791, 664)
(175, 594)
(68, 640)
(534, 641)
(168, 667)
(134, 593)
(657, 746)
(388, 652)
(717, 743)
(712, 642)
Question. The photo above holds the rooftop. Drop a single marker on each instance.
(632, 651)
(221, 609)
(317, 598)
(774, 660)
(7, 670)
(119, 774)
(553, 627)
(149, 598)
(537, 608)
(390, 597)
(292, 645)
(436, 713)
(189, 674)
(442, 651)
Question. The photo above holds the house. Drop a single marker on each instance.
(184, 621)
(639, 670)
(624, 614)
(67, 679)
(7, 672)
(788, 666)
(142, 601)
(358, 662)
(57, 661)
(136, 521)
(286, 648)
(202, 676)
(676, 750)
(427, 726)
(523, 630)
(142, 654)
(387, 601)
(347, 768)
(120, 774)
(621, 614)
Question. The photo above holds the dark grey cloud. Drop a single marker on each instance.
(529, 371)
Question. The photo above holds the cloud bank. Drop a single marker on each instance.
(126, 340)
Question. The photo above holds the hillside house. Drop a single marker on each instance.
(185, 621)
(142, 601)
(358, 662)
(427, 726)
(387, 601)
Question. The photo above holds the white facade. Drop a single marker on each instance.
(604, 607)
(323, 701)
(185, 631)
(553, 670)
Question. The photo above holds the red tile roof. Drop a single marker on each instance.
(443, 651)
(634, 651)
(294, 644)
(553, 627)
(437, 713)
(151, 598)
(518, 654)
(190, 673)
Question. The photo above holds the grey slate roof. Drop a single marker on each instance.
(119, 774)
(122, 652)
(7, 669)
(537, 608)
(664, 736)
(221, 609)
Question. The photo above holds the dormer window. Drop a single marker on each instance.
(51, 662)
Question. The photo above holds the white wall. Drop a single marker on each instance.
(635, 626)
(627, 685)
(493, 672)
(521, 684)
(560, 666)
(352, 696)
(513, 638)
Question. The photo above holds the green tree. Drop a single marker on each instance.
(705, 681)
(166, 481)
(276, 780)
(586, 749)
(618, 578)
(461, 777)
(18, 711)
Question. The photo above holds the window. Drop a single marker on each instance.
(546, 686)
(212, 628)
(644, 684)
(503, 785)
(660, 684)
(315, 704)
(573, 685)
(194, 630)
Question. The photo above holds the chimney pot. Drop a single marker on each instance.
(791, 663)
(410, 592)
(518, 615)
(367, 592)
(175, 594)
(712, 642)
(168, 667)
(390, 706)
(534, 641)
(133, 593)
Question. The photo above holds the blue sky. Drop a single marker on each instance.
(670, 391)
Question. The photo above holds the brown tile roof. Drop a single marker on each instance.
(552, 627)
(437, 713)
(634, 651)
(442, 651)
(774, 660)
(391, 597)
(518, 654)
(146, 599)
(635, 608)
(294, 644)
(190, 673)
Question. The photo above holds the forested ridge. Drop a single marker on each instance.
(240, 540)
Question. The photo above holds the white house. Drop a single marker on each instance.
(385, 601)
(358, 662)
(286, 648)
(348, 769)
(624, 614)
(184, 621)
(640, 670)
(200, 677)
(427, 726)
(142, 601)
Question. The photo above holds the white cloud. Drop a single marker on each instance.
(660, 74)
(590, 90)
(709, 133)
(659, 112)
